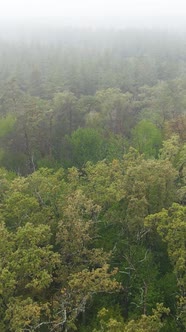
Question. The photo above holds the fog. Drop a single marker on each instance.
(94, 13)
(91, 8)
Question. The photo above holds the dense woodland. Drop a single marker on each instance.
(93, 182)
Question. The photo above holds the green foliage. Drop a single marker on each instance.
(171, 226)
(105, 182)
(150, 323)
(170, 149)
(116, 146)
(86, 145)
(115, 110)
(24, 315)
(150, 185)
(6, 125)
(110, 320)
(93, 248)
(147, 138)
(46, 250)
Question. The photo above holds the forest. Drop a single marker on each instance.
(93, 181)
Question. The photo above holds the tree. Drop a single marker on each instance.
(151, 323)
(116, 112)
(46, 250)
(86, 144)
(171, 226)
(147, 138)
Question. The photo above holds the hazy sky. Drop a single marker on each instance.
(91, 9)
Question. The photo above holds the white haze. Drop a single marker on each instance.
(96, 13)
